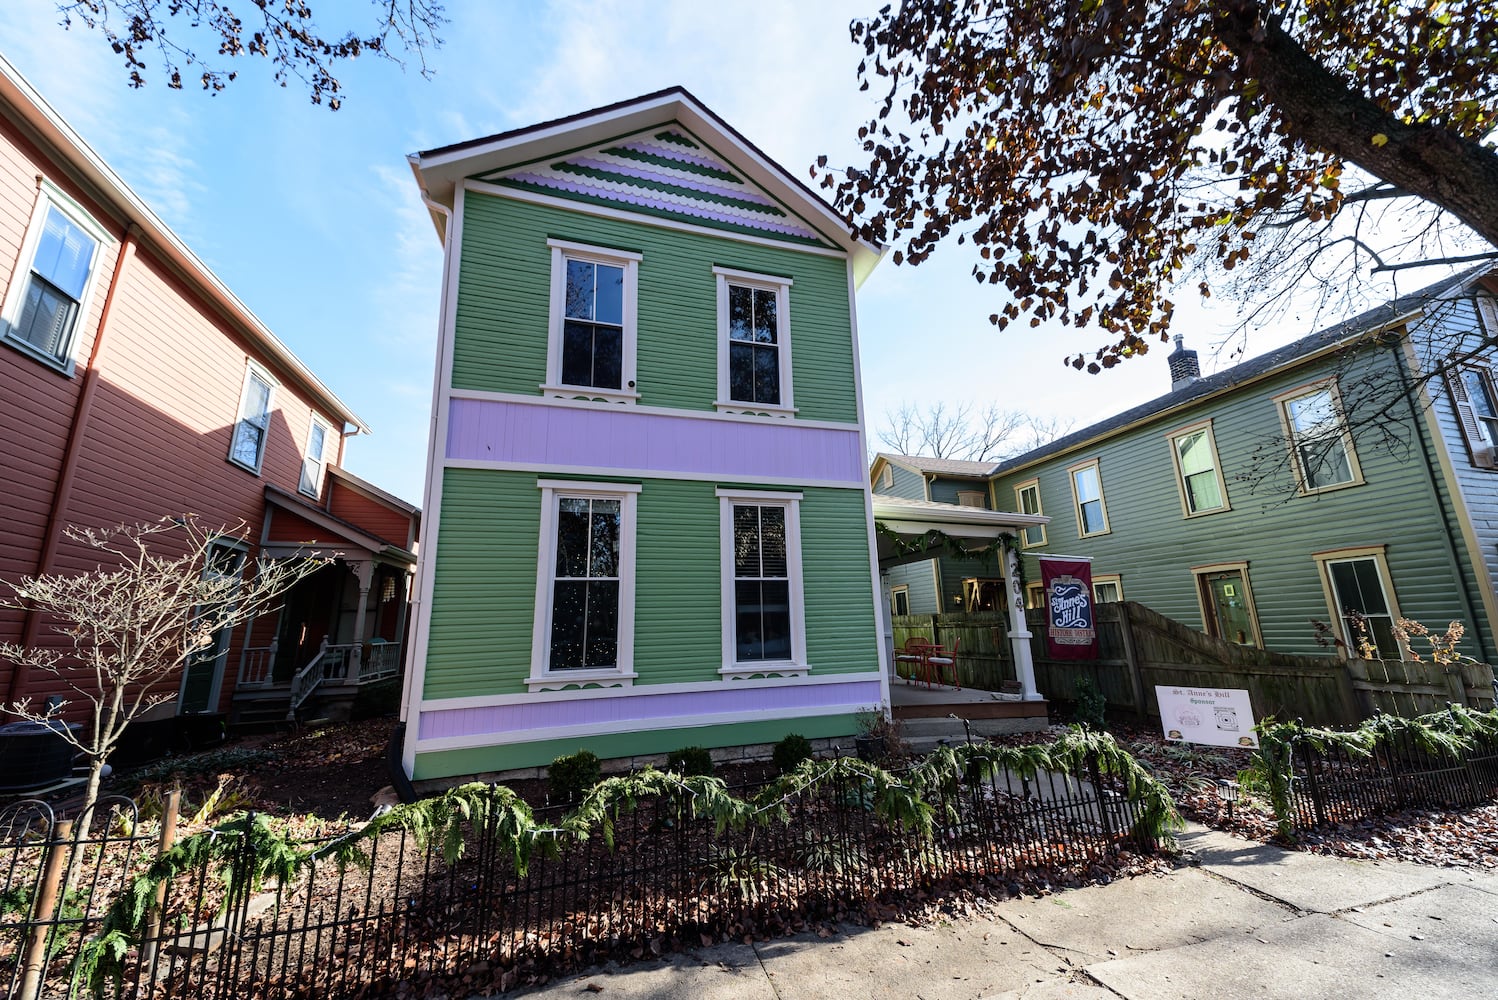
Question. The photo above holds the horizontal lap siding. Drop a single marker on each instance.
(374, 517)
(504, 298)
(903, 483)
(484, 599)
(920, 577)
(1154, 547)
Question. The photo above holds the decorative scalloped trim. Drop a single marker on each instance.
(752, 673)
(563, 684)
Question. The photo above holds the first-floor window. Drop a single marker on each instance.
(1365, 609)
(763, 613)
(899, 601)
(1107, 590)
(586, 585)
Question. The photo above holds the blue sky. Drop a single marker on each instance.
(313, 218)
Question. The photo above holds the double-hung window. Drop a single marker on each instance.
(592, 344)
(1198, 472)
(1361, 598)
(1087, 492)
(1320, 445)
(585, 585)
(252, 429)
(764, 628)
(319, 441)
(1027, 498)
(1476, 405)
(47, 299)
(754, 342)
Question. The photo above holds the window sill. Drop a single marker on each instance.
(253, 470)
(749, 671)
(1206, 513)
(1318, 490)
(590, 394)
(754, 409)
(63, 366)
(580, 679)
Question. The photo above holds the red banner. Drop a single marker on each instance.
(1071, 628)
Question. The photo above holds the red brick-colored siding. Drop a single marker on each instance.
(384, 522)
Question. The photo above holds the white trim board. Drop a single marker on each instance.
(686, 687)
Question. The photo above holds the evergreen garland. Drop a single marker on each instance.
(497, 811)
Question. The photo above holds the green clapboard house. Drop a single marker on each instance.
(650, 521)
(1303, 499)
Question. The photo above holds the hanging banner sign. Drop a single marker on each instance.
(1214, 717)
(1071, 628)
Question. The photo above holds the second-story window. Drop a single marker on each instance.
(319, 442)
(1476, 406)
(592, 342)
(1320, 446)
(1197, 471)
(1027, 496)
(754, 342)
(1087, 490)
(43, 313)
(253, 427)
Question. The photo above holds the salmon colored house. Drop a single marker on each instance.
(135, 385)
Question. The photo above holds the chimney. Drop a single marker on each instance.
(1184, 368)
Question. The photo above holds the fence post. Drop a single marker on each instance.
(1455, 684)
(1136, 676)
(168, 838)
(34, 963)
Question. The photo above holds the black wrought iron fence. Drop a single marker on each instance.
(1336, 783)
(402, 913)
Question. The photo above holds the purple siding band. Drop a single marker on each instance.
(609, 709)
(618, 437)
(572, 187)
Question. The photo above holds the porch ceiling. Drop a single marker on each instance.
(972, 527)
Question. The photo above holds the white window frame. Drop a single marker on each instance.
(1019, 505)
(1479, 433)
(1282, 403)
(49, 197)
(1200, 427)
(1106, 579)
(1076, 499)
(1378, 555)
(252, 371)
(622, 674)
(629, 261)
(320, 461)
(797, 665)
(781, 286)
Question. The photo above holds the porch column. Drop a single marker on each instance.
(364, 573)
(1019, 630)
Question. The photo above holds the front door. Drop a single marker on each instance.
(203, 674)
(1225, 601)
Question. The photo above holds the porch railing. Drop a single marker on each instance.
(257, 666)
(330, 663)
(382, 660)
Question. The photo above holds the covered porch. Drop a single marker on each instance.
(908, 531)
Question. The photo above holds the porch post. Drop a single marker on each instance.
(364, 573)
(1019, 630)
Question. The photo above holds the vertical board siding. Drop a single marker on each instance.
(504, 297)
(1153, 546)
(485, 586)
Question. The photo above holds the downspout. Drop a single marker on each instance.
(56, 518)
(1432, 481)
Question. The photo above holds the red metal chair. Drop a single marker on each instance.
(939, 659)
(913, 655)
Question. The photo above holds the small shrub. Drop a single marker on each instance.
(1090, 703)
(880, 740)
(689, 761)
(571, 775)
(791, 751)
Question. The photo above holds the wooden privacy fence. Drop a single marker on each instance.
(1139, 648)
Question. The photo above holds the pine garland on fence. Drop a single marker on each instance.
(1451, 732)
(495, 809)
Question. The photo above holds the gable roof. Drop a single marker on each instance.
(959, 468)
(1390, 313)
(662, 153)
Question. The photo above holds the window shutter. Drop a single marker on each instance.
(1466, 417)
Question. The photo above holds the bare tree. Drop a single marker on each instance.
(965, 433)
(173, 33)
(130, 624)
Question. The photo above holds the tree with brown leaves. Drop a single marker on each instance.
(1096, 151)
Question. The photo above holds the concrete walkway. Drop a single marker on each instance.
(1247, 921)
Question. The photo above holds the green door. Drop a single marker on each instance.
(1229, 616)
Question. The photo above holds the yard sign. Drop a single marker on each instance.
(1216, 717)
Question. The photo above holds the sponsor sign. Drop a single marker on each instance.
(1215, 717)
(1071, 629)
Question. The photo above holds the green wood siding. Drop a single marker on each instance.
(484, 598)
(1154, 547)
(921, 579)
(504, 298)
(479, 760)
(905, 483)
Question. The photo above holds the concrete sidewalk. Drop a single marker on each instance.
(1247, 921)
